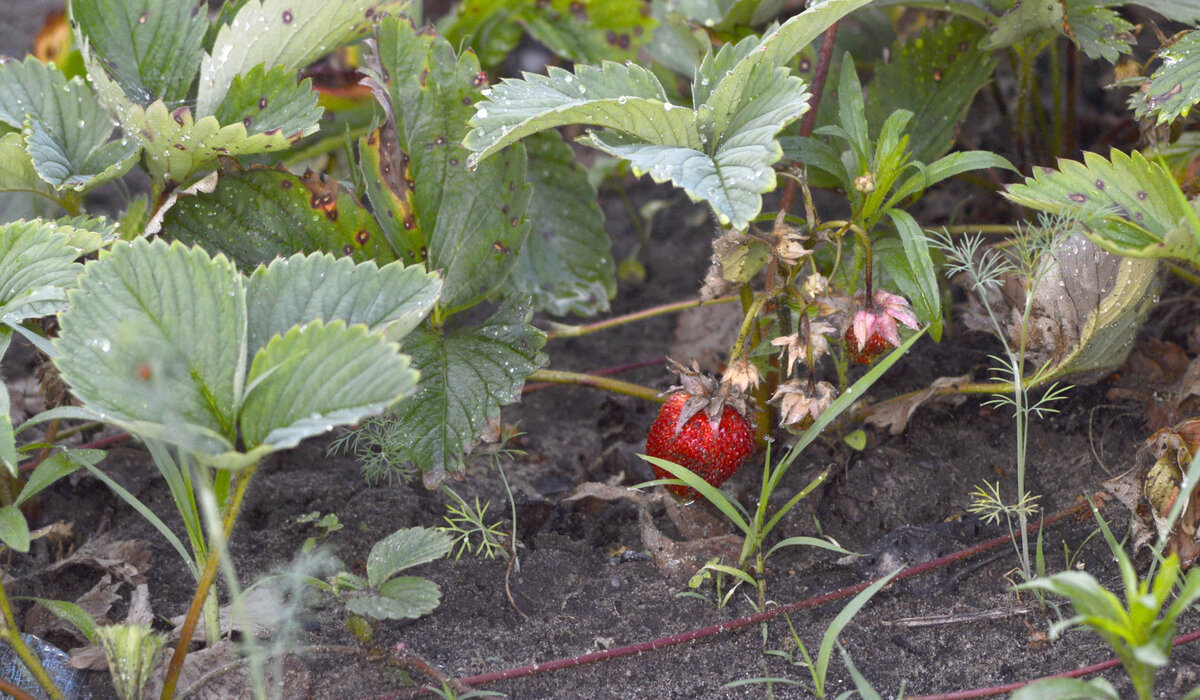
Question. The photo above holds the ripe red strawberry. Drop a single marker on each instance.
(701, 427)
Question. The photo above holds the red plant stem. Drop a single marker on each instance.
(820, 73)
(1075, 673)
(14, 691)
(712, 630)
(661, 359)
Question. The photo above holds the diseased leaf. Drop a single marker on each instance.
(405, 549)
(466, 376)
(154, 341)
(389, 187)
(1129, 206)
(566, 266)
(1174, 87)
(152, 47)
(289, 33)
(934, 75)
(265, 101)
(471, 223)
(67, 132)
(317, 376)
(176, 145)
(255, 215)
(297, 290)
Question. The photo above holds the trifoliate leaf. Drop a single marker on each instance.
(1128, 206)
(67, 132)
(470, 223)
(255, 215)
(298, 290)
(154, 341)
(466, 376)
(400, 598)
(289, 33)
(152, 47)
(1174, 87)
(265, 100)
(721, 151)
(317, 376)
(935, 75)
(405, 549)
(567, 265)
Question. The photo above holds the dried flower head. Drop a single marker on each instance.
(799, 405)
(874, 328)
(789, 247)
(814, 286)
(798, 346)
(742, 375)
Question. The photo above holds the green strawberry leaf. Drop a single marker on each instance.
(175, 144)
(1128, 206)
(1186, 11)
(398, 599)
(405, 549)
(19, 179)
(1026, 20)
(154, 341)
(470, 223)
(298, 290)
(317, 376)
(67, 132)
(289, 33)
(255, 215)
(720, 152)
(466, 376)
(1174, 87)
(389, 187)
(1098, 30)
(87, 233)
(566, 266)
(583, 32)
(151, 47)
(918, 278)
(37, 264)
(265, 100)
(934, 75)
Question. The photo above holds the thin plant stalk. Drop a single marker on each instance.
(563, 330)
(614, 385)
(12, 636)
(207, 578)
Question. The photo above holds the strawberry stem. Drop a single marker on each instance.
(564, 330)
(578, 378)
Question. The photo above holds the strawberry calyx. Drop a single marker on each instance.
(705, 393)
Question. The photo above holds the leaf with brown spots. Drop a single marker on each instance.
(428, 93)
(1128, 206)
(386, 172)
(255, 215)
(1174, 87)
(270, 101)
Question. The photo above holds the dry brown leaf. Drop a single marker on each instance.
(126, 559)
(895, 413)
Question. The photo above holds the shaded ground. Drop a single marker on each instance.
(586, 582)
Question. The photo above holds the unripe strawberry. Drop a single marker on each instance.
(701, 427)
(873, 330)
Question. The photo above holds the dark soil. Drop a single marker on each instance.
(586, 581)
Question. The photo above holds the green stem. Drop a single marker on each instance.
(207, 578)
(12, 635)
(739, 345)
(563, 330)
(581, 379)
